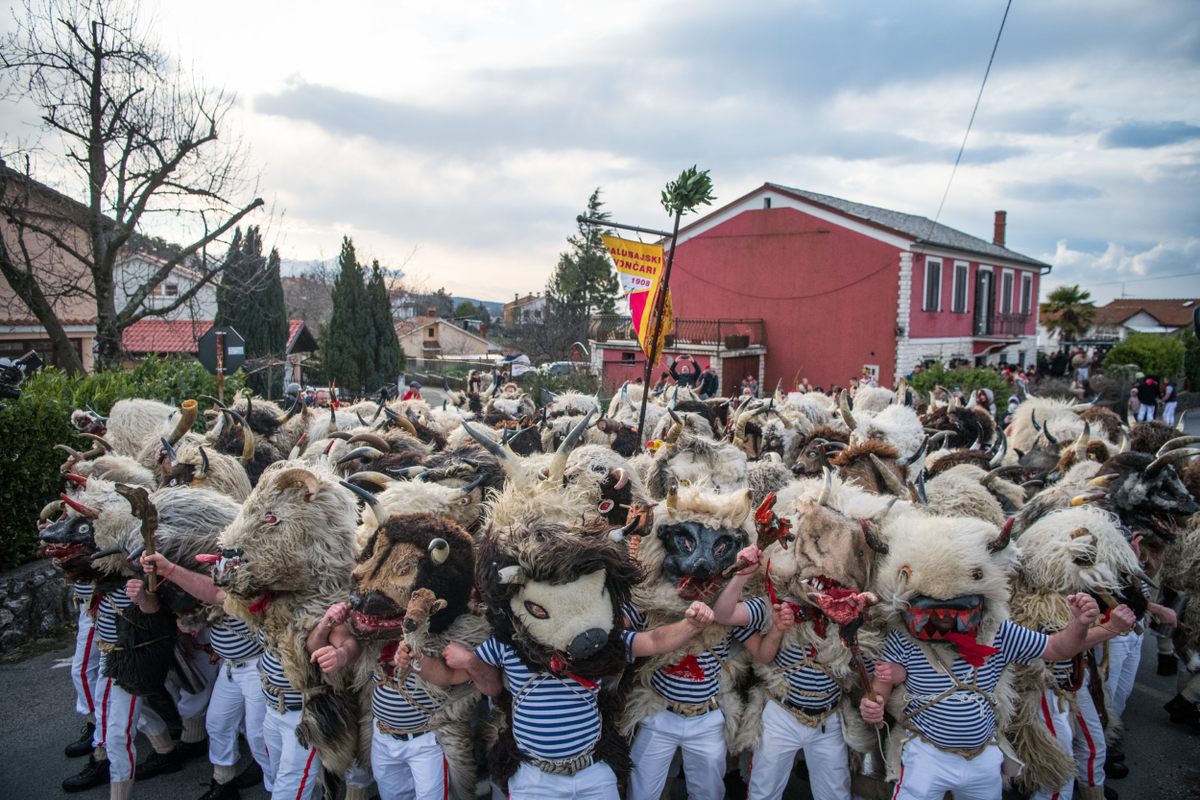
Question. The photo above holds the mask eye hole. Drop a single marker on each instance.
(270, 519)
(464, 501)
(721, 547)
(905, 572)
(536, 610)
(85, 528)
(686, 544)
(173, 482)
(977, 573)
(605, 506)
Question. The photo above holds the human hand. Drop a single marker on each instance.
(698, 615)
(782, 616)
(1123, 617)
(135, 588)
(886, 671)
(329, 658)
(403, 657)
(155, 564)
(1083, 608)
(457, 656)
(337, 614)
(871, 710)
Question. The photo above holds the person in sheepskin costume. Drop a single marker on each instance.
(809, 660)
(685, 698)
(1068, 551)
(944, 584)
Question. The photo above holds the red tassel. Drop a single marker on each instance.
(970, 650)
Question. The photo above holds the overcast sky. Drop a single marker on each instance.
(462, 139)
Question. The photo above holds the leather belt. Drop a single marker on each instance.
(692, 709)
(396, 733)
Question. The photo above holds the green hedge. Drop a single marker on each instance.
(968, 379)
(31, 426)
(1153, 353)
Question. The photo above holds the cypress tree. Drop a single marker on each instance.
(388, 357)
(346, 351)
(272, 330)
(250, 299)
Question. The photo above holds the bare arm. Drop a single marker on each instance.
(147, 602)
(198, 586)
(430, 668)
(331, 642)
(666, 638)
(728, 610)
(1073, 638)
(887, 676)
(484, 676)
(764, 647)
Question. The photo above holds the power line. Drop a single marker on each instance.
(971, 122)
(1143, 280)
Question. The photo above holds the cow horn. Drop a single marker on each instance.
(1084, 499)
(301, 478)
(51, 508)
(1176, 443)
(76, 479)
(377, 508)
(332, 427)
(844, 407)
(361, 420)
(104, 445)
(344, 436)
(1179, 426)
(172, 456)
(622, 478)
(202, 473)
(483, 439)
(827, 488)
(559, 464)
(1081, 444)
(882, 514)
(439, 551)
(379, 480)
(108, 551)
(247, 434)
(678, 420)
(1159, 464)
(300, 446)
(401, 421)
(511, 575)
(915, 457)
(999, 449)
(366, 451)
(1001, 541)
(937, 439)
(212, 400)
(187, 417)
(872, 537)
(1000, 472)
(467, 488)
(86, 511)
(373, 439)
(893, 483)
(103, 418)
(1124, 445)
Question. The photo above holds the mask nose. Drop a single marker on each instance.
(587, 643)
(372, 604)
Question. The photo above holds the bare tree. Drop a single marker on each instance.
(140, 138)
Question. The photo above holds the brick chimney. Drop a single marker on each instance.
(483, 329)
(431, 311)
(998, 230)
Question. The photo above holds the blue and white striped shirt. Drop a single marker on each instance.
(83, 589)
(554, 717)
(112, 604)
(233, 640)
(394, 710)
(695, 678)
(964, 719)
(270, 671)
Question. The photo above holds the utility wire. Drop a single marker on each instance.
(971, 122)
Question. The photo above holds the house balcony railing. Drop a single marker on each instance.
(723, 334)
(1001, 325)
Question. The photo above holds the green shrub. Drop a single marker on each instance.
(31, 426)
(1153, 353)
(969, 379)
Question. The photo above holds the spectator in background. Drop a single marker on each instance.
(414, 391)
(1135, 405)
(986, 400)
(1079, 362)
(1170, 402)
(685, 370)
(474, 381)
(1147, 391)
(709, 383)
(664, 380)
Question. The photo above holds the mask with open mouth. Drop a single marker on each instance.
(930, 619)
(697, 556)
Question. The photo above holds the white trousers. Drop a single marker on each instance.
(1146, 413)
(1124, 656)
(118, 719)
(597, 782)
(824, 751)
(405, 770)
(1089, 745)
(1057, 718)
(192, 705)
(1169, 412)
(927, 773)
(702, 740)
(85, 665)
(294, 771)
(236, 696)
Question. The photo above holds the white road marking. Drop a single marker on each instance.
(61, 663)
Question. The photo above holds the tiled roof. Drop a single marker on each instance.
(921, 229)
(300, 339)
(163, 335)
(407, 326)
(1171, 313)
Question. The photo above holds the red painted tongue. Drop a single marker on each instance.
(843, 606)
(557, 663)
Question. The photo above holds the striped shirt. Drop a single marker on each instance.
(808, 687)
(554, 717)
(694, 679)
(394, 710)
(964, 719)
(270, 672)
(83, 589)
(233, 641)
(114, 602)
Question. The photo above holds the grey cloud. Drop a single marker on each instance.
(1148, 135)
(1052, 192)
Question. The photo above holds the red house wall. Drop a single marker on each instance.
(948, 323)
(827, 294)
(616, 370)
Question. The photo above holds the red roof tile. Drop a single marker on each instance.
(163, 335)
(1171, 313)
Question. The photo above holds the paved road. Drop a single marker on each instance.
(36, 721)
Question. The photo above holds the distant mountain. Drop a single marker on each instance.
(494, 308)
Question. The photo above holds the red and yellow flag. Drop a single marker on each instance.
(640, 269)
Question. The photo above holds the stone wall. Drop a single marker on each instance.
(34, 602)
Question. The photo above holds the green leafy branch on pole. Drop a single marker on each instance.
(693, 188)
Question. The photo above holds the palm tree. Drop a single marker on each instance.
(1068, 310)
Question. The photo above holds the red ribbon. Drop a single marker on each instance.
(688, 668)
(969, 649)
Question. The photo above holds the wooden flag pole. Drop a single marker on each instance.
(652, 359)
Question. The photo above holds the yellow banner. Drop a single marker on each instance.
(640, 269)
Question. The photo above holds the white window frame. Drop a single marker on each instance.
(925, 285)
(1006, 273)
(1026, 301)
(954, 286)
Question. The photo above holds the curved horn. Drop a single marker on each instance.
(844, 407)
(439, 551)
(103, 418)
(202, 473)
(559, 463)
(300, 446)
(187, 413)
(938, 438)
(1176, 443)
(78, 480)
(827, 488)
(50, 509)
(86, 511)
(331, 429)
(1081, 444)
(1001, 541)
(212, 400)
(889, 478)
(172, 456)
(1159, 464)
(467, 488)
(101, 442)
(1000, 472)
(361, 421)
(247, 434)
(487, 443)
(373, 439)
(622, 478)
(915, 457)
(366, 451)
(1000, 448)
(873, 540)
(401, 421)
(301, 478)
(345, 436)
(377, 509)
(378, 479)
(511, 575)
